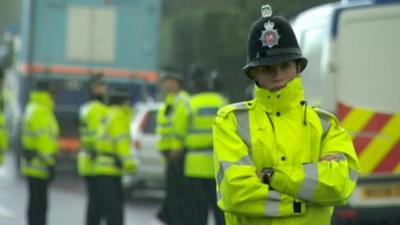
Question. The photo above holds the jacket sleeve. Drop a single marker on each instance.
(120, 134)
(324, 182)
(180, 123)
(239, 189)
(46, 140)
(3, 134)
(3, 137)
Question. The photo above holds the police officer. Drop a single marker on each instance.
(39, 133)
(113, 157)
(197, 119)
(278, 160)
(91, 114)
(3, 127)
(172, 209)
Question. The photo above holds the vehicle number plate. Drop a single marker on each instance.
(380, 191)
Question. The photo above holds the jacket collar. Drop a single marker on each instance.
(282, 100)
(125, 109)
(42, 98)
(171, 98)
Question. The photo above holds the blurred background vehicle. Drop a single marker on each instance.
(65, 42)
(353, 51)
(150, 170)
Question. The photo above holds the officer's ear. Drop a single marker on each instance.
(298, 66)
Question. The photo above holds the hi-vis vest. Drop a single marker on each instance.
(279, 130)
(113, 146)
(91, 115)
(39, 136)
(198, 138)
(3, 136)
(165, 117)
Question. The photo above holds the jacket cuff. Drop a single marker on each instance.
(279, 180)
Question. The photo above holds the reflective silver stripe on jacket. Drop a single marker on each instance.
(200, 131)
(200, 150)
(353, 174)
(243, 127)
(310, 182)
(87, 132)
(224, 165)
(164, 125)
(29, 165)
(243, 131)
(325, 122)
(121, 137)
(128, 158)
(272, 203)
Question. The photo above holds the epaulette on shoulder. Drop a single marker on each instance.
(245, 105)
(325, 115)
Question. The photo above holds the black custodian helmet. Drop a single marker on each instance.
(272, 41)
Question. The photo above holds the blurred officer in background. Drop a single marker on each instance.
(91, 115)
(279, 161)
(3, 125)
(195, 128)
(39, 131)
(113, 157)
(172, 208)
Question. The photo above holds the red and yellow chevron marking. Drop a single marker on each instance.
(376, 137)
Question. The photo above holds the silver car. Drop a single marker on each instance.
(150, 167)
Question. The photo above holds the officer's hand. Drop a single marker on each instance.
(174, 154)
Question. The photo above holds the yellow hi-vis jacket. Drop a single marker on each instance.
(279, 130)
(113, 146)
(39, 133)
(91, 115)
(195, 124)
(165, 117)
(3, 136)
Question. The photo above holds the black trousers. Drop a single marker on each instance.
(37, 203)
(92, 212)
(174, 209)
(110, 199)
(203, 198)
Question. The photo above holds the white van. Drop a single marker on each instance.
(353, 49)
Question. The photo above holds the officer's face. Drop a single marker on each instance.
(170, 85)
(100, 89)
(274, 77)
